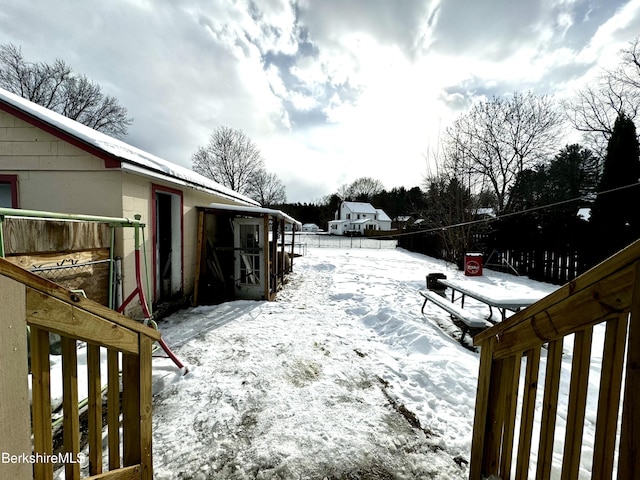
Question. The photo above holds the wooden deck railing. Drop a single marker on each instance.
(50, 308)
(609, 294)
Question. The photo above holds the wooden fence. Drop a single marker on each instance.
(608, 294)
(49, 308)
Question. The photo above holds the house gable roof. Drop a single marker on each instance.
(115, 153)
(359, 207)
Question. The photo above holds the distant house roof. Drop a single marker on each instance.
(359, 207)
(382, 215)
(114, 152)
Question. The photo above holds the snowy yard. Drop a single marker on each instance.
(341, 378)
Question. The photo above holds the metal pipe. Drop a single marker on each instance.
(111, 265)
(16, 212)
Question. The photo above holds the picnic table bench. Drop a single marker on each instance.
(435, 294)
(469, 319)
(502, 303)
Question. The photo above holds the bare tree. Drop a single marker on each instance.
(595, 108)
(497, 139)
(267, 188)
(55, 87)
(363, 189)
(230, 158)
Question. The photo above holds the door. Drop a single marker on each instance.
(167, 245)
(249, 257)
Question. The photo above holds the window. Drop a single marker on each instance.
(9, 191)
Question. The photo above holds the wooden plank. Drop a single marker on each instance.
(15, 407)
(131, 409)
(67, 320)
(127, 473)
(609, 398)
(606, 299)
(577, 404)
(629, 460)
(113, 408)
(41, 401)
(30, 235)
(480, 418)
(146, 401)
(71, 420)
(45, 286)
(95, 409)
(200, 254)
(528, 412)
(549, 410)
(511, 382)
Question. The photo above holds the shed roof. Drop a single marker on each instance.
(114, 152)
(253, 211)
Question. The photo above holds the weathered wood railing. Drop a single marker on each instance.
(49, 308)
(610, 294)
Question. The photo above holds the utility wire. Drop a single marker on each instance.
(508, 215)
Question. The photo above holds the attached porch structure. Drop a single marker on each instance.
(242, 253)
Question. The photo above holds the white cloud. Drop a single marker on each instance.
(329, 90)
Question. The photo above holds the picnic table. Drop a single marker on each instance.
(474, 289)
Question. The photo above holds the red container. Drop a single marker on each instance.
(473, 264)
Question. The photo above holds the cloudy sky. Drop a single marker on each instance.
(329, 90)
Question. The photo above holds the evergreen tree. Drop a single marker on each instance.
(615, 216)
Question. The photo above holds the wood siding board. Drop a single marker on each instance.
(71, 420)
(480, 419)
(113, 408)
(629, 461)
(528, 412)
(549, 410)
(95, 409)
(67, 320)
(609, 398)
(41, 401)
(577, 404)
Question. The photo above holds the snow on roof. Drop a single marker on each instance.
(382, 215)
(133, 159)
(260, 210)
(359, 207)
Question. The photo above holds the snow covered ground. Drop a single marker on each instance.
(341, 378)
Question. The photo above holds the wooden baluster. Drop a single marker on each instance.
(113, 408)
(510, 382)
(577, 403)
(528, 412)
(41, 402)
(71, 420)
(609, 398)
(549, 410)
(95, 409)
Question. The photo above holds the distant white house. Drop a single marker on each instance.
(310, 227)
(356, 218)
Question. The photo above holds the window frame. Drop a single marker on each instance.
(12, 181)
